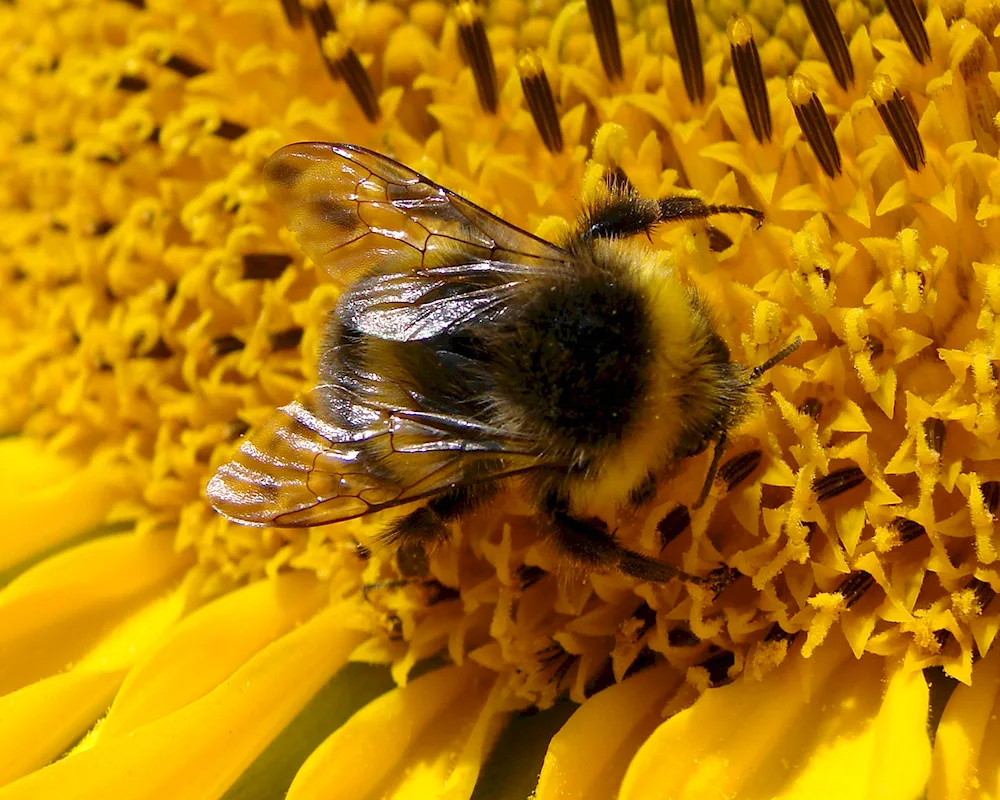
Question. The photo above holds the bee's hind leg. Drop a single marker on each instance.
(589, 543)
(424, 528)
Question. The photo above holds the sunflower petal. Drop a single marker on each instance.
(40, 721)
(819, 727)
(53, 613)
(589, 755)
(421, 740)
(212, 740)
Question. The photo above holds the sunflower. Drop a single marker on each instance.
(153, 310)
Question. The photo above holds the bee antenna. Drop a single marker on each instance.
(777, 358)
(713, 469)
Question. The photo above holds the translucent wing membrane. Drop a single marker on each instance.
(300, 469)
(355, 211)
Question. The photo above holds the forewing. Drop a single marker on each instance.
(354, 211)
(300, 470)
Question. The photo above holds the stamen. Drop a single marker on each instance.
(991, 495)
(718, 665)
(673, 525)
(824, 25)
(814, 123)
(101, 227)
(221, 345)
(321, 19)
(875, 346)
(529, 576)
(811, 407)
(132, 83)
(934, 432)
(264, 266)
(602, 19)
(184, 67)
(230, 130)
(898, 118)
(739, 468)
(750, 77)
(478, 55)
(778, 634)
(647, 616)
(345, 61)
(682, 636)
(718, 241)
(286, 339)
(907, 19)
(854, 587)
(293, 12)
(684, 25)
(907, 529)
(983, 591)
(541, 101)
(838, 482)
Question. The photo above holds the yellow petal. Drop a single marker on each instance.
(45, 499)
(40, 721)
(588, 757)
(53, 613)
(814, 728)
(408, 743)
(965, 749)
(207, 647)
(202, 748)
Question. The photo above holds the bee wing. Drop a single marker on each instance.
(353, 211)
(299, 469)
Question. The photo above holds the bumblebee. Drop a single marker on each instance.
(465, 354)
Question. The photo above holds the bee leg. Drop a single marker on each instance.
(643, 492)
(427, 526)
(676, 208)
(589, 543)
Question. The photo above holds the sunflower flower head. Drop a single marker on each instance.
(154, 309)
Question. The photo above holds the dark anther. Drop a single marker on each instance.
(229, 130)
(718, 665)
(541, 102)
(838, 482)
(681, 636)
(602, 19)
(114, 159)
(991, 495)
(718, 241)
(286, 339)
(322, 21)
(184, 67)
(478, 55)
(739, 468)
(684, 25)
(293, 12)
(644, 660)
(154, 136)
(934, 431)
(140, 4)
(673, 525)
(907, 529)
(101, 227)
(350, 68)
(647, 616)
(221, 345)
(811, 528)
(824, 25)
(983, 591)
(132, 83)
(814, 123)
(750, 77)
(942, 637)
(721, 578)
(235, 428)
(528, 576)
(159, 350)
(907, 19)
(875, 346)
(811, 407)
(778, 634)
(853, 587)
(439, 593)
(264, 266)
(899, 121)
